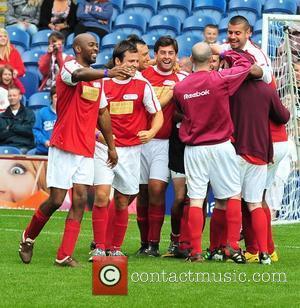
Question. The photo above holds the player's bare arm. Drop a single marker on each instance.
(157, 122)
(165, 96)
(104, 123)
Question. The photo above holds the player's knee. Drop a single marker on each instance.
(101, 198)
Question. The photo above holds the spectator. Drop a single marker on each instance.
(211, 33)
(7, 81)
(43, 127)
(3, 9)
(10, 55)
(185, 65)
(58, 15)
(51, 62)
(24, 14)
(94, 16)
(16, 123)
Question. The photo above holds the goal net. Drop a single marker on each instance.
(281, 41)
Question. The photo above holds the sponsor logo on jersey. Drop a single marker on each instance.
(130, 96)
(169, 82)
(196, 94)
(97, 84)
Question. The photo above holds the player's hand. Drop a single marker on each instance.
(121, 71)
(216, 49)
(145, 135)
(112, 158)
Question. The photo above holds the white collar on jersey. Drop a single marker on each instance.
(162, 73)
(121, 81)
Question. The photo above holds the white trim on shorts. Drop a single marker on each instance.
(65, 169)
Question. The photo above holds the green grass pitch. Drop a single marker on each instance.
(41, 284)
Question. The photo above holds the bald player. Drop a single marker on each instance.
(81, 104)
(209, 155)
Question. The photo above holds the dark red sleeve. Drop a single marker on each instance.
(278, 113)
(20, 85)
(16, 61)
(44, 64)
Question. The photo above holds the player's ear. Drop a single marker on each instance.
(118, 61)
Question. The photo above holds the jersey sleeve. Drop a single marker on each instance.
(103, 99)
(150, 99)
(67, 71)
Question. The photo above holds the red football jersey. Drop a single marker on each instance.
(77, 112)
(128, 103)
(159, 80)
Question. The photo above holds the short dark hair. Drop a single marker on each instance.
(56, 35)
(238, 19)
(135, 39)
(165, 41)
(211, 26)
(52, 91)
(13, 87)
(121, 48)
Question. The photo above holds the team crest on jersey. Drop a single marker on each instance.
(130, 96)
(169, 82)
(97, 84)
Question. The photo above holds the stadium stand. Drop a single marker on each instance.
(31, 81)
(258, 27)
(131, 23)
(39, 100)
(31, 58)
(110, 40)
(279, 6)
(194, 25)
(181, 9)
(18, 37)
(9, 150)
(40, 40)
(164, 25)
(146, 8)
(102, 59)
(117, 8)
(214, 8)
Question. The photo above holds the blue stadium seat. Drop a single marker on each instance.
(223, 25)
(31, 58)
(256, 38)
(280, 6)
(31, 82)
(31, 152)
(40, 40)
(131, 24)
(9, 150)
(222, 38)
(258, 27)
(102, 59)
(245, 5)
(20, 38)
(147, 8)
(251, 17)
(164, 25)
(110, 40)
(187, 42)
(69, 52)
(212, 8)
(150, 39)
(195, 24)
(117, 8)
(39, 100)
(184, 52)
(69, 40)
(178, 8)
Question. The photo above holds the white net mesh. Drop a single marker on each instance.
(284, 51)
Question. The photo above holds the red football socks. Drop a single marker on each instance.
(119, 228)
(185, 235)
(99, 219)
(217, 228)
(248, 233)
(37, 223)
(110, 225)
(196, 225)
(70, 236)
(271, 246)
(234, 222)
(142, 221)
(260, 228)
(156, 214)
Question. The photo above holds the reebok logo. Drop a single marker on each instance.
(196, 94)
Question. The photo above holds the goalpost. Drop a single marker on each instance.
(281, 41)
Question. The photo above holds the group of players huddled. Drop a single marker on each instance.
(221, 125)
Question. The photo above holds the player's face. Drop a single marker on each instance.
(144, 57)
(131, 60)
(215, 62)
(14, 97)
(210, 35)
(166, 58)
(7, 76)
(16, 181)
(237, 35)
(90, 50)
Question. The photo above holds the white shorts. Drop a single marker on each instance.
(125, 176)
(217, 164)
(65, 169)
(253, 180)
(177, 175)
(154, 161)
(281, 150)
